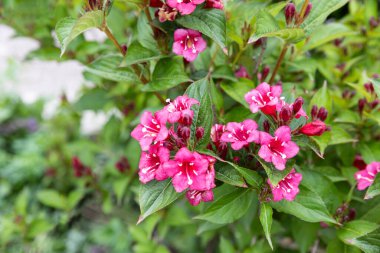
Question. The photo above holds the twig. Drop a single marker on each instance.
(302, 13)
(279, 61)
(260, 59)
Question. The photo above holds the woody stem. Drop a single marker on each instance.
(279, 61)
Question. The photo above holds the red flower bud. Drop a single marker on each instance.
(338, 42)
(285, 113)
(122, 165)
(155, 3)
(290, 11)
(369, 87)
(359, 162)
(307, 11)
(184, 132)
(322, 114)
(315, 128)
(297, 105)
(199, 133)
(351, 214)
(361, 104)
(266, 126)
(265, 73)
(314, 111)
(186, 120)
(374, 104)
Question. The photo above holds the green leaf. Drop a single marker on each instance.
(74, 197)
(38, 226)
(137, 53)
(210, 22)
(307, 141)
(225, 246)
(227, 174)
(168, 73)
(52, 198)
(307, 206)
(197, 89)
(374, 189)
(68, 29)
(376, 86)
(266, 213)
(320, 11)
(107, 67)
(224, 211)
(154, 196)
(237, 90)
(327, 33)
(358, 232)
(94, 99)
(304, 233)
(275, 175)
(266, 26)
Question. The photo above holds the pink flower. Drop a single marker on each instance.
(151, 163)
(179, 110)
(189, 170)
(185, 7)
(216, 132)
(264, 98)
(188, 43)
(151, 129)
(242, 73)
(278, 149)
(315, 128)
(366, 177)
(195, 197)
(287, 188)
(241, 134)
(216, 4)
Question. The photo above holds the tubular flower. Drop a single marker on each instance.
(216, 4)
(264, 98)
(241, 134)
(188, 170)
(366, 177)
(151, 129)
(179, 110)
(185, 7)
(315, 128)
(287, 188)
(278, 149)
(151, 163)
(188, 43)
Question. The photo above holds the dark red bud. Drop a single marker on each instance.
(373, 22)
(186, 120)
(369, 87)
(124, 48)
(314, 111)
(265, 73)
(297, 105)
(361, 104)
(122, 165)
(155, 3)
(290, 11)
(285, 113)
(338, 42)
(374, 104)
(351, 214)
(279, 83)
(322, 114)
(359, 162)
(376, 76)
(236, 159)
(308, 10)
(324, 225)
(184, 132)
(315, 128)
(199, 133)
(266, 126)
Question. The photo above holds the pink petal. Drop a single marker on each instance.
(186, 9)
(184, 155)
(276, 90)
(283, 133)
(238, 145)
(174, 117)
(265, 138)
(250, 124)
(189, 55)
(194, 33)
(263, 88)
(137, 133)
(193, 197)
(254, 108)
(208, 196)
(198, 1)
(146, 118)
(163, 134)
(248, 96)
(180, 182)
(172, 3)
(291, 149)
(145, 143)
(170, 168)
(178, 48)
(145, 177)
(265, 153)
(278, 162)
(200, 45)
(161, 174)
(179, 34)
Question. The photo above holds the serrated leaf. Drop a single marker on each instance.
(227, 174)
(154, 196)
(137, 53)
(107, 67)
(168, 73)
(223, 210)
(211, 22)
(275, 175)
(320, 11)
(266, 26)
(266, 213)
(374, 189)
(238, 89)
(68, 29)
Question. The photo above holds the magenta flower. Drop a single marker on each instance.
(217, 131)
(287, 188)
(195, 197)
(214, 4)
(151, 163)
(179, 110)
(278, 149)
(241, 134)
(366, 177)
(188, 43)
(185, 7)
(264, 98)
(151, 129)
(188, 170)
(242, 73)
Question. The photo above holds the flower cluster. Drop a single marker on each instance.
(164, 136)
(189, 170)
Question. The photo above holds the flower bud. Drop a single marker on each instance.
(155, 3)
(359, 162)
(369, 87)
(186, 120)
(285, 113)
(374, 104)
(184, 132)
(338, 42)
(315, 128)
(361, 104)
(376, 76)
(122, 165)
(314, 111)
(124, 48)
(290, 11)
(322, 114)
(307, 11)
(265, 73)
(266, 126)
(297, 105)
(199, 133)
(351, 214)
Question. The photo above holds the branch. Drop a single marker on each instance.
(279, 61)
